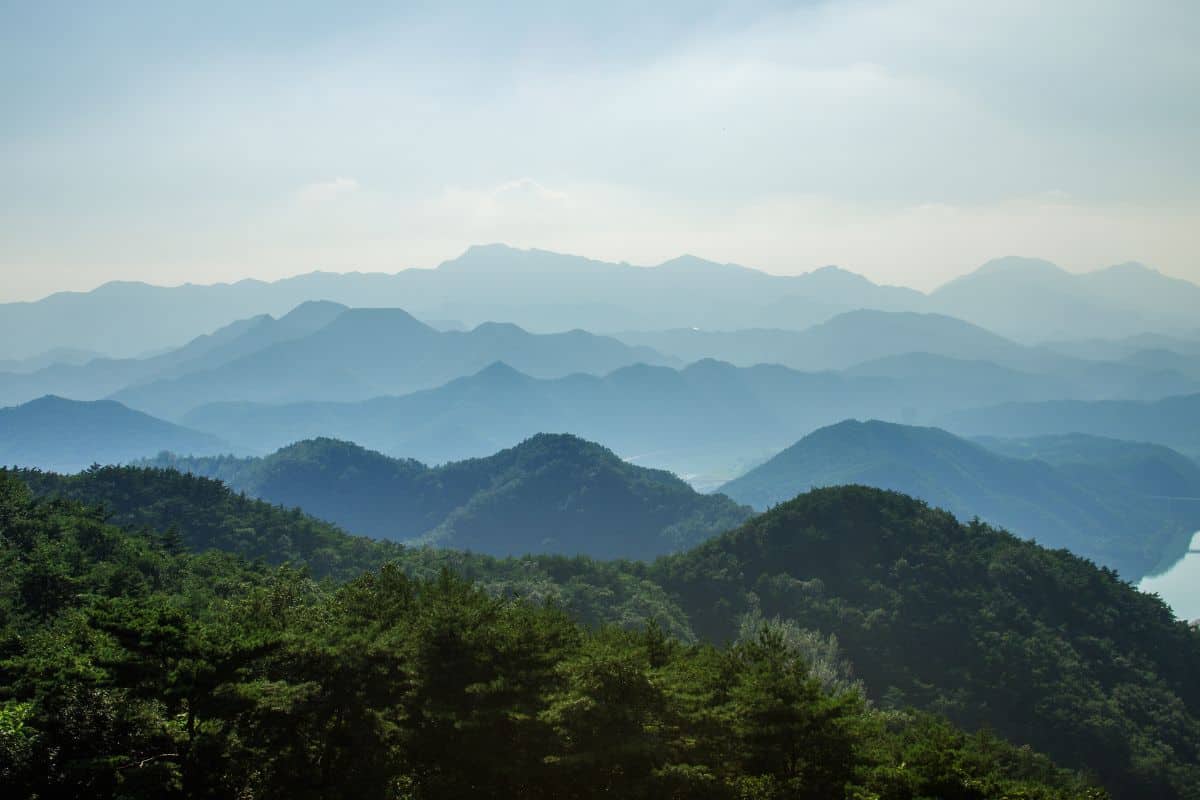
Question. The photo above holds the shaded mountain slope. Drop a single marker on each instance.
(549, 494)
(97, 378)
(1104, 505)
(66, 435)
(1039, 645)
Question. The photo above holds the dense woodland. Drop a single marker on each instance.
(935, 624)
(133, 668)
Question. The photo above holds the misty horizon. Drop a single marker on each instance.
(681, 257)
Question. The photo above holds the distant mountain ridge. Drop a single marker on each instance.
(548, 494)
(697, 418)
(369, 352)
(53, 433)
(93, 379)
(707, 421)
(1095, 497)
(845, 340)
(1035, 300)
(544, 291)
(1170, 421)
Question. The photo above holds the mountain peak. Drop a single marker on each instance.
(693, 264)
(1130, 268)
(491, 328)
(1022, 266)
(499, 257)
(499, 372)
(389, 321)
(311, 308)
(835, 274)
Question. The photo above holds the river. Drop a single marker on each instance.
(1180, 585)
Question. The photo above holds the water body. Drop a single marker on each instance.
(1180, 585)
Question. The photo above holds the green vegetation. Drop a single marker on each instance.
(991, 630)
(204, 515)
(549, 494)
(129, 668)
(977, 626)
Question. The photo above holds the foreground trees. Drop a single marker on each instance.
(131, 669)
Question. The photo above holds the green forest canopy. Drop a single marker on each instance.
(962, 621)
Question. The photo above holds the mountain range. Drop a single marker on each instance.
(1035, 300)
(1025, 299)
(94, 378)
(706, 417)
(319, 350)
(1099, 498)
(370, 352)
(845, 340)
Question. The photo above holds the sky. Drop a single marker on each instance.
(907, 140)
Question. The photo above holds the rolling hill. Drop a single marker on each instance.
(67, 435)
(549, 494)
(239, 668)
(1097, 498)
(1038, 646)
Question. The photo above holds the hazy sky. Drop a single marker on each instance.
(908, 140)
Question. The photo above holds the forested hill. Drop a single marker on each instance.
(1038, 644)
(549, 494)
(995, 632)
(203, 514)
(133, 669)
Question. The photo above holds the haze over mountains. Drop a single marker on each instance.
(479, 441)
(94, 378)
(68, 435)
(1171, 421)
(369, 352)
(707, 370)
(1024, 299)
(1100, 498)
